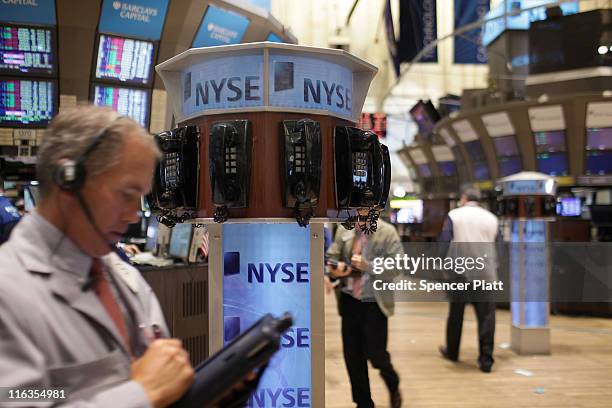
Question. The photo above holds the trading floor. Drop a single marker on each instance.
(576, 374)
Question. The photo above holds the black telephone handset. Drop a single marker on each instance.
(301, 166)
(230, 165)
(363, 169)
(363, 172)
(175, 184)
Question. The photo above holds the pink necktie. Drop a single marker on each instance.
(107, 298)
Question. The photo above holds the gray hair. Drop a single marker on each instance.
(73, 130)
(471, 193)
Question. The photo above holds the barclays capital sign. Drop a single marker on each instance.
(134, 18)
(28, 11)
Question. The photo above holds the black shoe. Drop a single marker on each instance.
(486, 368)
(444, 351)
(396, 399)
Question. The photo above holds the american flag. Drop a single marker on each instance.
(203, 248)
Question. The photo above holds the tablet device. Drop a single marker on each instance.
(229, 366)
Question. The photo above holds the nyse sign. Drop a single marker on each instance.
(293, 83)
(266, 269)
(224, 83)
(309, 83)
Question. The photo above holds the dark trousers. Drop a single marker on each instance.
(364, 337)
(485, 313)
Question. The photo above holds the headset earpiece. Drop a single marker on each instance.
(70, 175)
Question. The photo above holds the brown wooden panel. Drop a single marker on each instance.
(265, 197)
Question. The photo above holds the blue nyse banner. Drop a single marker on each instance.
(266, 269)
(309, 83)
(224, 83)
(28, 11)
(220, 27)
(468, 46)
(134, 18)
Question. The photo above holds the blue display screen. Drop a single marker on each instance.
(26, 102)
(33, 11)
(132, 102)
(136, 18)
(180, 241)
(424, 170)
(220, 27)
(27, 50)
(570, 207)
(481, 171)
(124, 60)
(600, 139)
(552, 164)
(448, 168)
(271, 274)
(509, 165)
(474, 149)
(599, 162)
(550, 142)
(506, 146)
(274, 38)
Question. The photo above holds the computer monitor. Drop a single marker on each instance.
(220, 27)
(552, 164)
(550, 141)
(425, 115)
(132, 102)
(124, 60)
(599, 139)
(509, 165)
(569, 207)
(599, 162)
(506, 146)
(412, 213)
(152, 230)
(424, 170)
(180, 241)
(447, 168)
(27, 102)
(481, 171)
(27, 50)
(474, 149)
(30, 197)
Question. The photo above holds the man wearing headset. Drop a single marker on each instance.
(72, 314)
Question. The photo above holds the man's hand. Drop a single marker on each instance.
(341, 270)
(238, 391)
(360, 263)
(329, 286)
(164, 372)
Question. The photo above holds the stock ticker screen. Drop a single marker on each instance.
(124, 60)
(132, 102)
(26, 102)
(26, 50)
